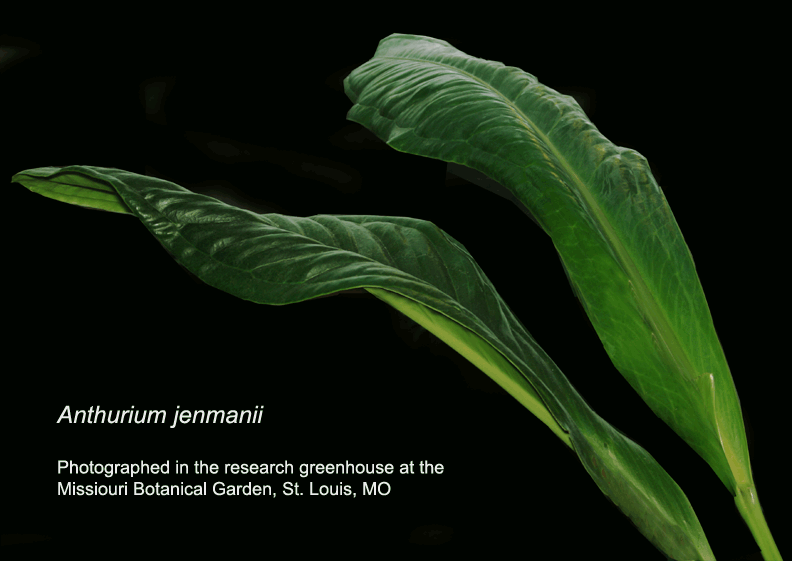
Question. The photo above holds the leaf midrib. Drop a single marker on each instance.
(647, 305)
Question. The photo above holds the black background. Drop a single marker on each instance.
(97, 313)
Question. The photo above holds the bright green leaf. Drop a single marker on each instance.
(75, 188)
(621, 247)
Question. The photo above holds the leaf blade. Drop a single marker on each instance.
(422, 271)
(72, 188)
(600, 205)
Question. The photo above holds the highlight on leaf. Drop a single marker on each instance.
(621, 248)
(421, 271)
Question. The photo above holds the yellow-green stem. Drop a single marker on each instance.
(748, 504)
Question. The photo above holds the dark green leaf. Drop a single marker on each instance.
(425, 273)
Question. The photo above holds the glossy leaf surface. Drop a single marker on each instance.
(622, 250)
(418, 269)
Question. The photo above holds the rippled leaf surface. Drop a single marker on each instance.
(420, 270)
(623, 252)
